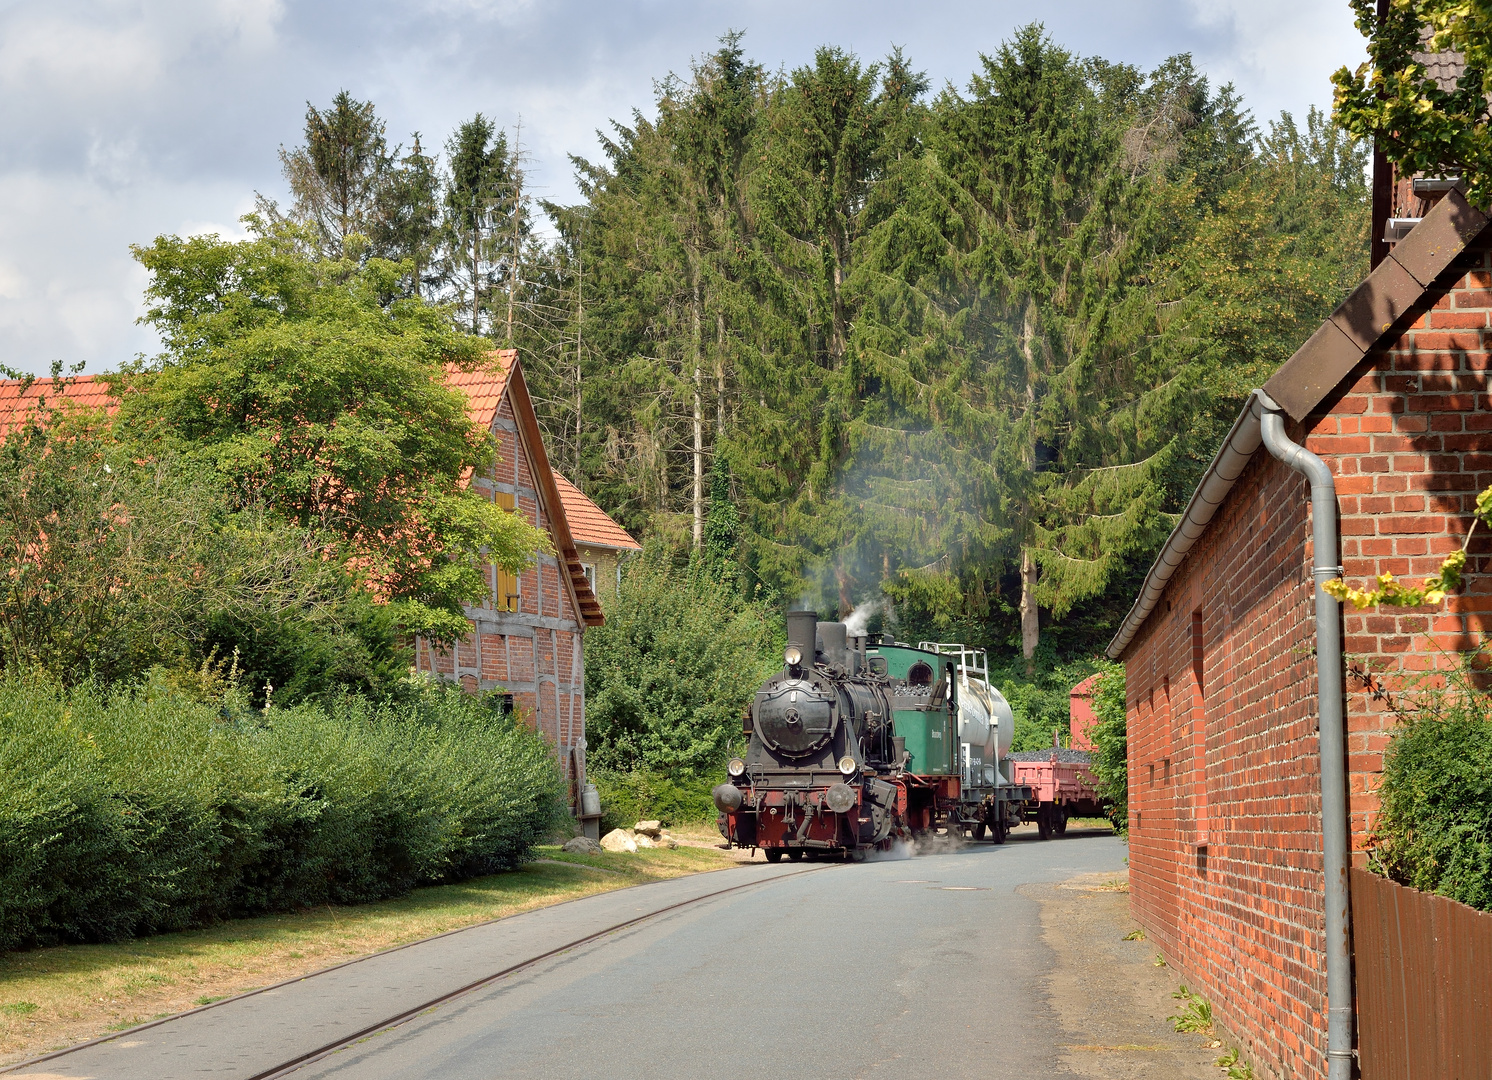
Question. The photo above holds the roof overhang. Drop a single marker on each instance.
(1398, 290)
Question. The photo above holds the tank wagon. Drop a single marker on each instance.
(860, 742)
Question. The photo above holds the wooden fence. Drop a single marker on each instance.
(1424, 984)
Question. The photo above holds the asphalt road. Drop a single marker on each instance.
(925, 967)
(931, 966)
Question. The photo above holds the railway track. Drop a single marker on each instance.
(284, 1066)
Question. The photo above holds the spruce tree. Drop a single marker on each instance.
(335, 177)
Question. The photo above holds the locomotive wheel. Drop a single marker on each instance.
(1060, 821)
(999, 829)
(979, 831)
(773, 854)
(1044, 821)
(796, 854)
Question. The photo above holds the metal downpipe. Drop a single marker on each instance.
(1334, 833)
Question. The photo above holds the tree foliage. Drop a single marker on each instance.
(940, 339)
(1425, 125)
(114, 565)
(670, 673)
(292, 380)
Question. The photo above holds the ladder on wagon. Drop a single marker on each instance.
(972, 663)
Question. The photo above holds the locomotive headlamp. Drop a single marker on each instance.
(840, 798)
(847, 765)
(736, 766)
(793, 656)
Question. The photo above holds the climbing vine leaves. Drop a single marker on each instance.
(1394, 593)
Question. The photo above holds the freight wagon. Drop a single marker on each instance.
(1060, 778)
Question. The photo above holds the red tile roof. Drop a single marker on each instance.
(83, 391)
(589, 524)
(483, 386)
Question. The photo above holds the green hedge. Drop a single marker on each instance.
(644, 794)
(144, 811)
(1434, 829)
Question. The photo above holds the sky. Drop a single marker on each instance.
(121, 120)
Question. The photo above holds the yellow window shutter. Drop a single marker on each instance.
(507, 584)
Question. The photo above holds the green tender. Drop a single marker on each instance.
(929, 735)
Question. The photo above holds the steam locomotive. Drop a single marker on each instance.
(860, 742)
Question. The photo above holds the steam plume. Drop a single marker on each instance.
(860, 618)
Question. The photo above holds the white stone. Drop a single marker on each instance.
(643, 840)
(652, 828)
(619, 840)
(582, 845)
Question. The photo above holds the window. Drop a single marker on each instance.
(590, 575)
(505, 588)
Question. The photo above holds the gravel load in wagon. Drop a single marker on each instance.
(1062, 754)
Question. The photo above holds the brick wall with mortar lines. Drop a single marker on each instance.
(1222, 675)
(534, 652)
(1413, 433)
(1226, 744)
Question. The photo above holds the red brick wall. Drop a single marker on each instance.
(1225, 835)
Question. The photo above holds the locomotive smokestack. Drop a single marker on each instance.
(836, 647)
(802, 632)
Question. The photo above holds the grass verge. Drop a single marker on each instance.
(56, 997)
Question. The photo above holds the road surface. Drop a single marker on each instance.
(926, 967)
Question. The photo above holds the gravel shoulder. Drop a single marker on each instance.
(1110, 997)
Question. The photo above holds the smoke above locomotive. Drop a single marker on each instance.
(860, 741)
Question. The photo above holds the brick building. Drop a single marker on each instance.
(1225, 762)
(526, 636)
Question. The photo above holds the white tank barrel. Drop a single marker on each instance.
(985, 718)
(1004, 722)
(973, 712)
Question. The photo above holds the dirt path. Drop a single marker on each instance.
(1111, 997)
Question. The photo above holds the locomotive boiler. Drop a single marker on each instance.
(859, 742)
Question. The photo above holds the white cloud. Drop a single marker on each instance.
(84, 50)
(128, 118)
(69, 289)
(1282, 53)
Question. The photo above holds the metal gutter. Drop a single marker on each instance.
(1227, 466)
(1334, 833)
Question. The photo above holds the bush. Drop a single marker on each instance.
(145, 811)
(673, 669)
(1434, 830)
(630, 797)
